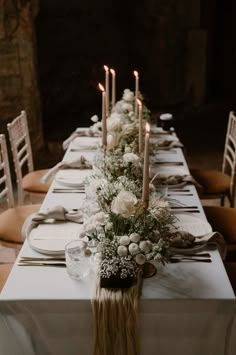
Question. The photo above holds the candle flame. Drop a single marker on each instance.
(136, 73)
(106, 68)
(112, 71)
(101, 87)
(147, 127)
(139, 102)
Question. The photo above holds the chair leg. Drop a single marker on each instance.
(222, 201)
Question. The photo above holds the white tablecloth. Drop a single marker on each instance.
(186, 309)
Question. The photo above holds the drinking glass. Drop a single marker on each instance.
(77, 260)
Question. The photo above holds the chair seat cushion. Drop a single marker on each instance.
(5, 270)
(212, 181)
(31, 182)
(223, 220)
(11, 222)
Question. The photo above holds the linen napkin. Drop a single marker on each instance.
(81, 163)
(79, 132)
(174, 179)
(168, 144)
(57, 213)
(184, 239)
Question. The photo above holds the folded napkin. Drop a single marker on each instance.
(79, 132)
(81, 163)
(57, 213)
(182, 240)
(165, 143)
(175, 179)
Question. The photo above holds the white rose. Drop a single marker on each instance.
(128, 129)
(94, 118)
(128, 95)
(134, 237)
(131, 158)
(89, 228)
(124, 203)
(100, 218)
(124, 240)
(134, 249)
(112, 141)
(108, 226)
(140, 259)
(127, 107)
(145, 246)
(122, 250)
(113, 123)
(128, 150)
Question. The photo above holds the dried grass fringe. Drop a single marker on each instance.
(115, 320)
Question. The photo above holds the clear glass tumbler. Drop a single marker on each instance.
(77, 260)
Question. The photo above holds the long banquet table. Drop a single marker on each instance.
(186, 309)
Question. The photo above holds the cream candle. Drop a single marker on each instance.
(104, 118)
(140, 117)
(113, 87)
(107, 89)
(136, 92)
(145, 196)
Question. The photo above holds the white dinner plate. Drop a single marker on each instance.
(194, 225)
(51, 238)
(86, 143)
(72, 177)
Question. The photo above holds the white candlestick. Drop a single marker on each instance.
(136, 92)
(104, 118)
(140, 117)
(113, 87)
(145, 196)
(107, 88)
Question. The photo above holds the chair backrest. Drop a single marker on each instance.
(21, 150)
(229, 157)
(6, 191)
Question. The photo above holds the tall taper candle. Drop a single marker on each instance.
(136, 93)
(113, 87)
(140, 118)
(104, 118)
(107, 89)
(145, 196)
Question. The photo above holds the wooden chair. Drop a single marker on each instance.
(12, 219)
(222, 219)
(28, 179)
(220, 184)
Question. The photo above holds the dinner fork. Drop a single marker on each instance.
(186, 259)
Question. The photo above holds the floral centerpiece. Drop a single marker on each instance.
(128, 234)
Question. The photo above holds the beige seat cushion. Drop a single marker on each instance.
(212, 181)
(5, 270)
(11, 222)
(31, 182)
(223, 220)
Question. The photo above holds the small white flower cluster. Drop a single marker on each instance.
(94, 225)
(134, 246)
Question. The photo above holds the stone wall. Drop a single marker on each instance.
(18, 67)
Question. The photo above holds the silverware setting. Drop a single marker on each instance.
(186, 259)
(167, 163)
(179, 194)
(175, 211)
(51, 264)
(32, 258)
(179, 255)
(184, 207)
(68, 191)
(55, 261)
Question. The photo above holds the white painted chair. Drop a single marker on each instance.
(12, 219)
(220, 184)
(28, 179)
(6, 190)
